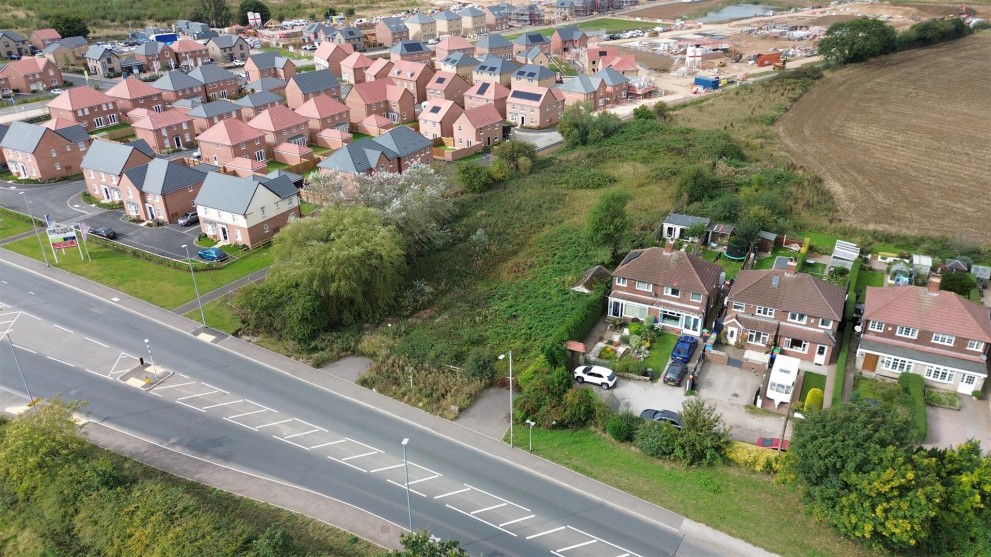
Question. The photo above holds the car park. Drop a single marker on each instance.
(212, 254)
(675, 374)
(104, 232)
(597, 375)
(773, 443)
(663, 416)
(189, 219)
(684, 349)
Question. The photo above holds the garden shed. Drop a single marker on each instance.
(981, 273)
(900, 273)
(844, 254)
(922, 264)
(675, 224)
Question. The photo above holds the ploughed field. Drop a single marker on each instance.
(903, 142)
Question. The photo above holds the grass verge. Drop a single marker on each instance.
(219, 316)
(12, 224)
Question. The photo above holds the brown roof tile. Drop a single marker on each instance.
(676, 269)
(356, 60)
(800, 293)
(913, 306)
(482, 116)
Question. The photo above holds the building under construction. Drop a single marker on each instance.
(584, 8)
(526, 14)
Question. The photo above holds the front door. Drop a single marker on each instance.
(150, 211)
(820, 358)
(223, 234)
(967, 383)
(106, 193)
(178, 142)
(522, 121)
(870, 362)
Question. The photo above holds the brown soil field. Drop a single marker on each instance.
(903, 142)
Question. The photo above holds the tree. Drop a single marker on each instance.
(349, 12)
(696, 231)
(580, 125)
(662, 111)
(422, 544)
(343, 266)
(643, 112)
(38, 444)
(961, 283)
(330, 12)
(514, 151)
(704, 436)
(216, 12)
(752, 221)
(608, 224)
(498, 170)
(252, 6)
(813, 400)
(69, 26)
(474, 176)
(697, 183)
(857, 41)
(416, 202)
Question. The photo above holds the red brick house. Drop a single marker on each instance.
(411, 51)
(394, 151)
(413, 77)
(530, 40)
(478, 127)
(484, 93)
(534, 107)
(132, 93)
(353, 68)
(208, 114)
(323, 112)
(165, 131)
(437, 118)
(161, 189)
(328, 56)
(31, 74)
(231, 139)
(217, 82)
(494, 45)
(794, 311)
(41, 38)
(568, 42)
(935, 333)
(380, 97)
(380, 68)
(677, 289)
(43, 153)
(582, 89)
(305, 86)
(246, 211)
(254, 104)
(449, 86)
(497, 17)
(452, 44)
(617, 87)
(104, 164)
(281, 125)
(87, 107)
(176, 85)
(268, 64)
(190, 54)
(156, 56)
(390, 30)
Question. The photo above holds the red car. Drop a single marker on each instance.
(773, 443)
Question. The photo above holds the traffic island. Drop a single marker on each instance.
(145, 377)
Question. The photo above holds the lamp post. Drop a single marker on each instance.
(409, 507)
(152, 358)
(37, 232)
(195, 288)
(19, 370)
(531, 423)
(501, 356)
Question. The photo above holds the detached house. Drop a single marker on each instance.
(935, 333)
(353, 68)
(473, 22)
(533, 76)
(534, 107)
(583, 89)
(67, 53)
(246, 211)
(161, 189)
(796, 312)
(176, 85)
(228, 48)
(156, 56)
(42, 38)
(208, 114)
(105, 162)
(528, 41)
(85, 106)
(567, 42)
(305, 86)
(391, 30)
(495, 69)
(30, 75)
(324, 113)
(217, 82)
(458, 63)
(485, 93)
(617, 87)
(44, 153)
(347, 35)
(165, 131)
(231, 139)
(478, 127)
(256, 103)
(494, 45)
(281, 125)
(447, 23)
(380, 97)
(102, 61)
(132, 93)
(328, 56)
(676, 288)
(497, 16)
(437, 118)
(380, 68)
(413, 77)
(447, 86)
(268, 64)
(421, 27)
(394, 151)
(453, 44)
(13, 43)
(411, 51)
(190, 53)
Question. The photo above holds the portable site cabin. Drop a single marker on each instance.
(707, 82)
(781, 383)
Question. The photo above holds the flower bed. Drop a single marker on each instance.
(942, 399)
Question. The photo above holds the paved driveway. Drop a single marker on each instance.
(949, 428)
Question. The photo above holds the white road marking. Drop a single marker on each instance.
(547, 532)
(196, 395)
(425, 468)
(482, 521)
(63, 328)
(223, 404)
(216, 389)
(318, 428)
(425, 479)
(274, 423)
(577, 545)
(304, 447)
(176, 385)
(31, 293)
(370, 453)
(326, 444)
(244, 425)
(249, 413)
(304, 433)
(96, 342)
(499, 498)
(363, 445)
(60, 361)
(255, 403)
(493, 507)
(628, 552)
(191, 406)
(115, 299)
(453, 493)
(347, 464)
(515, 520)
(386, 468)
(404, 487)
(19, 347)
(31, 316)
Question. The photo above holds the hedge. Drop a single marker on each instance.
(8, 214)
(851, 290)
(916, 387)
(576, 327)
(840, 375)
(752, 457)
(803, 253)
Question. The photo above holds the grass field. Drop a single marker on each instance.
(12, 225)
(869, 132)
(219, 316)
(605, 24)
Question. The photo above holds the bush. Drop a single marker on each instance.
(659, 440)
(632, 366)
(635, 328)
(813, 400)
(915, 386)
(703, 437)
(752, 457)
(579, 407)
(474, 176)
(480, 365)
(623, 427)
(499, 171)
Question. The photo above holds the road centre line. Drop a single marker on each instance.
(196, 395)
(385, 468)
(493, 507)
(223, 404)
(403, 486)
(551, 531)
(577, 545)
(96, 342)
(190, 406)
(63, 328)
(628, 552)
(453, 493)
(515, 520)
(304, 433)
(370, 453)
(348, 464)
(274, 423)
(178, 385)
(482, 521)
(499, 498)
(60, 361)
(424, 479)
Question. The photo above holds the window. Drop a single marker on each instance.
(738, 306)
(54, 153)
(259, 156)
(673, 292)
(796, 345)
(696, 297)
(645, 286)
(757, 337)
(826, 323)
(763, 311)
(907, 332)
(975, 345)
(876, 326)
(940, 338)
(263, 211)
(795, 317)
(620, 281)
(897, 365)
(90, 173)
(940, 374)
(58, 166)
(265, 227)
(292, 201)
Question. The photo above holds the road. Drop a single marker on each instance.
(230, 409)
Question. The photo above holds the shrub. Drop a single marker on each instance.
(635, 328)
(480, 365)
(915, 386)
(704, 435)
(499, 171)
(752, 457)
(659, 440)
(607, 353)
(633, 366)
(623, 427)
(537, 367)
(579, 407)
(474, 176)
(813, 400)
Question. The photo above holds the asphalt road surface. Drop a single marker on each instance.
(225, 408)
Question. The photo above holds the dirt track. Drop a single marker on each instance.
(904, 142)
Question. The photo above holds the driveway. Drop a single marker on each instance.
(949, 428)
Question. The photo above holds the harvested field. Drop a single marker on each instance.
(903, 142)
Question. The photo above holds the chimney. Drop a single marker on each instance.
(669, 247)
(792, 266)
(933, 289)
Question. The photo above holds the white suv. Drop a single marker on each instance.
(597, 375)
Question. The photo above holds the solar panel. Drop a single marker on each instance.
(434, 109)
(531, 74)
(414, 47)
(483, 88)
(526, 95)
(441, 80)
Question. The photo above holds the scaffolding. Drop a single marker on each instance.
(525, 15)
(643, 88)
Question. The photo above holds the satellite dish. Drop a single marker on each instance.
(858, 329)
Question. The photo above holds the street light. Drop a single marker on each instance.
(409, 507)
(501, 356)
(196, 288)
(531, 423)
(37, 232)
(19, 370)
(152, 358)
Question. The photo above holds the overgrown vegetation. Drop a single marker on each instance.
(860, 40)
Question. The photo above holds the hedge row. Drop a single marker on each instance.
(840, 376)
(851, 290)
(577, 327)
(803, 253)
(916, 387)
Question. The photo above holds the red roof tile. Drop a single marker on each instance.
(800, 293)
(157, 120)
(132, 88)
(276, 118)
(356, 60)
(321, 106)
(230, 131)
(80, 97)
(676, 269)
(482, 116)
(186, 45)
(327, 48)
(913, 306)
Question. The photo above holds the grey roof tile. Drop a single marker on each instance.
(211, 73)
(162, 176)
(262, 98)
(493, 41)
(319, 80)
(234, 195)
(176, 81)
(22, 137)
(357, 158)
(214, 108)
(108, 156)
(403, 141)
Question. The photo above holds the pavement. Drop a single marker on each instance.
(489, 415)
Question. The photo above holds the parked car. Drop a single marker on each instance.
(238, 62)
(212, 254)
(56, 91)
(675, 374)
(773, 443)
(189, 219)
(685, 349)
(598, 375)
(663, 416)
(104, 232)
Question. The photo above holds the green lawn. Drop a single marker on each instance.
(12, 225)
(114, 127)
(162, 286)
(219, 316)
(731, 267)
(824, 242)
(812, 381)
(768, 262)
(608, 24)
(275, 165)
(817, 269)
(660, 353)
(742, 504)
(867, 278)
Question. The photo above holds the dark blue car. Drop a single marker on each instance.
(685, 348)
(212, 254)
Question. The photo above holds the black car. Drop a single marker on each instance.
(189, 219)
(104, 232)
(675, 374)
(662, 416)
